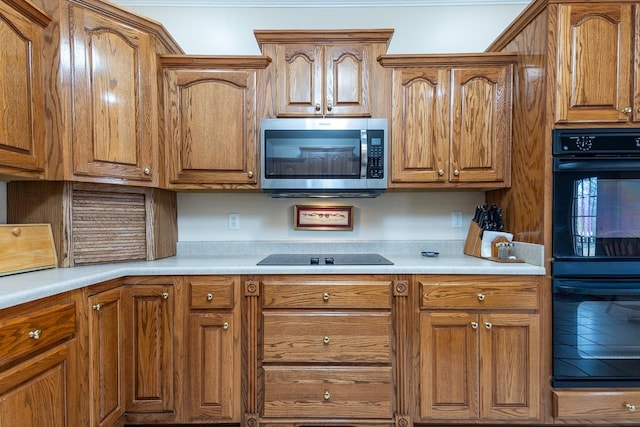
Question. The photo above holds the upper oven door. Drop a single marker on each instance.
(596, 199)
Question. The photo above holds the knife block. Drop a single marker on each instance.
(473, 244)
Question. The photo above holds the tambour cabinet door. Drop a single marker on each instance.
(21, 92)
(114, 90)
(595, 64)
(211, 131)
(481, 123)
(420, 140)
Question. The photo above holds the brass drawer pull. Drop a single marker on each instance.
(35, 334)
(209, 297)
(225, 325)
(96, 307)
(327, 395)
(481, 297)
(474, 325)
(626, 110)
(630, 407)
(16, 231)
(326, 296)
(326, 340)
(487, 325)
(165, 295)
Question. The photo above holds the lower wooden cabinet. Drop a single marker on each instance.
(591, 406)
(479, 357)
(36, 377)
(213, 349)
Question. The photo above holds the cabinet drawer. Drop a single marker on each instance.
(327, 294)
(355, 392)
(618, 405)
(211, 292)
(508, 292)
(35, 330)
(327, 337)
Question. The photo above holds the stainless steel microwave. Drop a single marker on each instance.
(319, 157)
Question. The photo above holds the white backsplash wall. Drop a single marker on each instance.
(392, 216)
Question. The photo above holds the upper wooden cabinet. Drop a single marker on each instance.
(21, 89)
(114, 89)
(210, 121)
(324, 73)
(597, 63)
(451, 120)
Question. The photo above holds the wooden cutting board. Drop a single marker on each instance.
(26, 247)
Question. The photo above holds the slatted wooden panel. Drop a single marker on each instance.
(108, 227)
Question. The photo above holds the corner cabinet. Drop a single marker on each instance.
(322, 73)
(22, 135)
(210, 121)
(451, 120)
(598, 63)
(478, 348)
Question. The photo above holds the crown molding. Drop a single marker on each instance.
(314, 3)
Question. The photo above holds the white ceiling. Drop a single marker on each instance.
(314, 3)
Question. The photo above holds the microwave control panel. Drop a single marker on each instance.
(375, 154)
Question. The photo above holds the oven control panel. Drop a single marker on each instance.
(596, 141)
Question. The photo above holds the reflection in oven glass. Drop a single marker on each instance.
(609, 330)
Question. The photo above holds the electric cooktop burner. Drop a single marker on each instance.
(325, 259)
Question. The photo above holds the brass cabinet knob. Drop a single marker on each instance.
(626, 110)
(630, 407)
(209, 297)
(96, 307)
(456, 172)
(16, 231)
(474, 325)
(327, 395)
(481, 297)
(147, 171)
(326, 340)
(326, 296)
(35, 334)
(329, 106)
(225, 325)
(250, 174)
(165, 295)
(440, 172)
(487, 325)
(318, 107)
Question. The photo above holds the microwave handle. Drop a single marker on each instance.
(364, 158)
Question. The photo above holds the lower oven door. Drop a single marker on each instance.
(596, 332)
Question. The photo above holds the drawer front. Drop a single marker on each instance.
(327, 337)
(355, 392)
(507, 293)
(212, 292)
(336, 294)
(619, 406)
(36, 330)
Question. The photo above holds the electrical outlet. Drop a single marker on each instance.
(456, 219)
(234, 221)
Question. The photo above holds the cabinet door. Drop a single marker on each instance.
(34, 393)
(299, 82)
(420, 137)
(214, 380)
(107, 357)
(481, 124)
(211, 128)
(114, 99)
(150, 349)
(449, 366)
(348, 80)
(21, 93)
(595, 62)
(510, 366)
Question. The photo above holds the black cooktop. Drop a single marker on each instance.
(325, 259)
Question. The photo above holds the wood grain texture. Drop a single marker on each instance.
(26, 248)
(593, 406)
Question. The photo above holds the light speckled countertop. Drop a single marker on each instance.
(19, 288)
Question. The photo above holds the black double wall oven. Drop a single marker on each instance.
(596, 258)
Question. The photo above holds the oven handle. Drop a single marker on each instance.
(364, 155)
(596, 165)
(584, 288)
